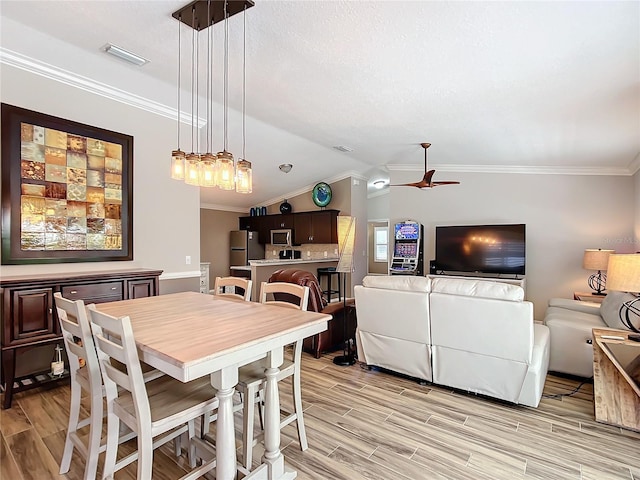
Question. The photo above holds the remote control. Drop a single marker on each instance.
(634, 337)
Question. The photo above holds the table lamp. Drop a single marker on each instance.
(596, 260)
(624, 276)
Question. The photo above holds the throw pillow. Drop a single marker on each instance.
(610, 310)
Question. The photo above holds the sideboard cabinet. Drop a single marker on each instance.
(29, 316)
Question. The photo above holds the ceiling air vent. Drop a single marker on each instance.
(343, 148)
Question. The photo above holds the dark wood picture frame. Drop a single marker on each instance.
(14, 120)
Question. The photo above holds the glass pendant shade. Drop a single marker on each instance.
(244, 177)
(208, 170)
(226, 171)
(177, 164)
(192, 173)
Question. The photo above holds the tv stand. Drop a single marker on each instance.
(521, 282)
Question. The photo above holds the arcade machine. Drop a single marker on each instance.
(407, 249)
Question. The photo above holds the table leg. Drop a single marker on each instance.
(272, 455)
(225, 381)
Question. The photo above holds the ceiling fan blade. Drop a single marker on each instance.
(416, 184)
(435, 184)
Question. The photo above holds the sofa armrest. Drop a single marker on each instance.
(575, 305)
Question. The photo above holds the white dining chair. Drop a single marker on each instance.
(222, 283)
(84, 372)
(157, 411)
(251, 377)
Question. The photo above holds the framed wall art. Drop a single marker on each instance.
(67, 190)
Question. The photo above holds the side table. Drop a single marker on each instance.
(588, 297)
(616, 379)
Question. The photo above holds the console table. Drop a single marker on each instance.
(616, 379)
(29, 318)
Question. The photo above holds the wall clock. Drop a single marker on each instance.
(321, 194)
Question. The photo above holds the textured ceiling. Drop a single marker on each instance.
(535, 86)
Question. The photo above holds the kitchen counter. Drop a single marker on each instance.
(261, 270)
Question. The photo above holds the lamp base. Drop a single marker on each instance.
(600, 294)
(345, 360)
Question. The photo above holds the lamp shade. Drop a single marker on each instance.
(346, 243)
(596, 259)
(624, 273)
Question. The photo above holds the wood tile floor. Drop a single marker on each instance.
(372, 425)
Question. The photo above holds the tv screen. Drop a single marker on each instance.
(405, 250)
(481, 249)
(407, 231)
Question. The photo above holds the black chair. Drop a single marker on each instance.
(329, 272)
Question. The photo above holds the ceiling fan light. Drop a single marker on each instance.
(177, 164)
(243, 177)
(226, 171)
(379, 183)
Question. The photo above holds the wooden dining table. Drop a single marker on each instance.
(189, 335)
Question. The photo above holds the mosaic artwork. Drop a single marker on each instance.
(70, 191)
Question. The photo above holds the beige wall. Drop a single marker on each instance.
(166, 212)
(340, 200)
(215, 226)
(373, 266)
(564, 215)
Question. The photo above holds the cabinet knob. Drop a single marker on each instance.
(73, 291)
(114, 288)
(51, 311)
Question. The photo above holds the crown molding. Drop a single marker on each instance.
(523, 170)
(225, 208)
(378, 193)
(28, 64)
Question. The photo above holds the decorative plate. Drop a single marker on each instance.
(321, 194)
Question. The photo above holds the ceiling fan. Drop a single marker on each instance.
(426, 181)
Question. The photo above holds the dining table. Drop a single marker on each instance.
(189, 335)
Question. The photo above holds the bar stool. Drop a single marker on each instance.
(329, 272)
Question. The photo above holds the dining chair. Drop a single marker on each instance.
(85, 375)
(157, 411)
(251, 377)
(222, 283)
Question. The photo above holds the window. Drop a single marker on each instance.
(381, 244)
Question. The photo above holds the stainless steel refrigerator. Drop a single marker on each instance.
(244, 247)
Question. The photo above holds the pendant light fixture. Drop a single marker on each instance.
(244, 181)
(209, 170)
(178, 156)
(226, 165)
(192, 174)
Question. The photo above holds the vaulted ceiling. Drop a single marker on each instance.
(549, 87)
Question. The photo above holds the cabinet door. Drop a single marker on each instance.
(324, 226)
(284, 220)
(142, 287)
(30, 315)
(303, 229)
(247, 223)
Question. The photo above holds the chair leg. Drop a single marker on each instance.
(297, 402)
(145, 454)
(95, 434)
(248, 418)
(113, 428)
(74, 416)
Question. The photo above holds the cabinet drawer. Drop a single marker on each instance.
(95, 292)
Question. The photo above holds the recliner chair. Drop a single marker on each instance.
(332, 338)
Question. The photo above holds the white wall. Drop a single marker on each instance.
(378, 206)
(166, 212)
(564, 214)
(637, 207)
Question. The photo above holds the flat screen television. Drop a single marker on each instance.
(496, 249)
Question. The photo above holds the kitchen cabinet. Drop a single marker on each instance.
(29, 317)
(308, 227)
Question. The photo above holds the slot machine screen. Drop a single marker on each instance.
(406, 250)
(407, 231)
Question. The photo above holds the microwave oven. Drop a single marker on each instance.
(282, 237)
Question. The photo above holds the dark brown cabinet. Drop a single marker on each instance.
(29, 317)
(308, 227)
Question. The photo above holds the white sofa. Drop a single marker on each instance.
(571, 323)
(468, 334)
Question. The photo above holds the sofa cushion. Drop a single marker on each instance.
(610, 310)
(478, 288)
(398, 282)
